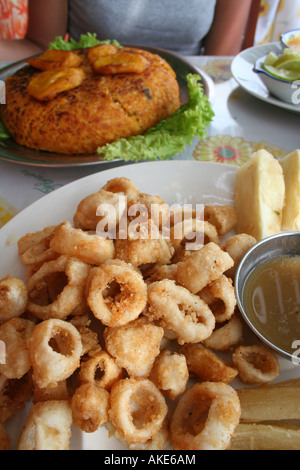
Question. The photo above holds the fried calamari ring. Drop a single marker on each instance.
(223, 217)
(14, 394)
(205, 417)
(138, 409)
(177, 309)
(159, 273)
(62, 391)
(100, 369)
(88, 213)
(206, 365)
(124, 186)
(55, 349)
(142, 251)
(31, 239)
(34, 248)
(89, 339)
(5, 443)
(88, 247)
(90, 406)
(48, 427)
(220, 297)
(129, 298)
(202, 267)
(15, 333)
(227, 336)
(134, 346)
(256, 364)
(193, 234)
(170, 374)
(237, 246)
(149, 207)
(71, 295)
(159, 441)
(13, 297)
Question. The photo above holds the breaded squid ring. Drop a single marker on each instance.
(193, 232)
(15, 333)
(122, 185)
(141, 251)
(220, 405)
(170, 374)
(149, 207)
(220, 297)
(127, 304)
(227, 336)
(48, 426)
(223, 217)
(206, 365)
(88, 247)
(13, 297)
(89, 406)
(55, 349)
(137, 409)
(34, 248)
(237, 246)
(101, 370)
(71, 295)
(87, 215)
(256, 364)
(202, 267)
(5, 442)
(159, 441)
(134, 346)
(177, 309)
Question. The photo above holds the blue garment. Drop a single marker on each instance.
(177, 25)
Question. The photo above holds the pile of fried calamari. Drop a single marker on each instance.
(127, 332)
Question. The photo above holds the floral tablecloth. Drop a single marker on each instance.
(242, 124)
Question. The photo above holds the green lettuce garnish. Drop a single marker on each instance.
(86, 40)
(4, 134)
(170, 136)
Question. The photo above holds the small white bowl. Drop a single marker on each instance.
(284, 90)
(285, 244)
(286, 37)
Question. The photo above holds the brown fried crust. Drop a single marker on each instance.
(102, 109)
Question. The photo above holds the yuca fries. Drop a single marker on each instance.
(274, 402)
(257, 436)
(269, 417)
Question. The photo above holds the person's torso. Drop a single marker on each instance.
(177, 25)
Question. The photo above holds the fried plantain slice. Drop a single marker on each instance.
(100, 51)
(48, 84)
(120, 62)
(54, 59)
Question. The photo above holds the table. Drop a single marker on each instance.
(242, 124)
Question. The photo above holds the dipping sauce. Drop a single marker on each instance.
(271, 298)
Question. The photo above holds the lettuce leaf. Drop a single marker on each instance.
(170, 136)
(4, 134)
(86, 40)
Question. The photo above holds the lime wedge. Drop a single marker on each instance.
(289, 51)
(270, 59)
(286, 60)
(283, 74)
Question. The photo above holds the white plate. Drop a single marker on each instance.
(183, 182)
(242, 70)
(13, 152)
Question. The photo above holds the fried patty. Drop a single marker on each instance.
(104, 108)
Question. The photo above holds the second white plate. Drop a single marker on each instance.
(242, 70)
